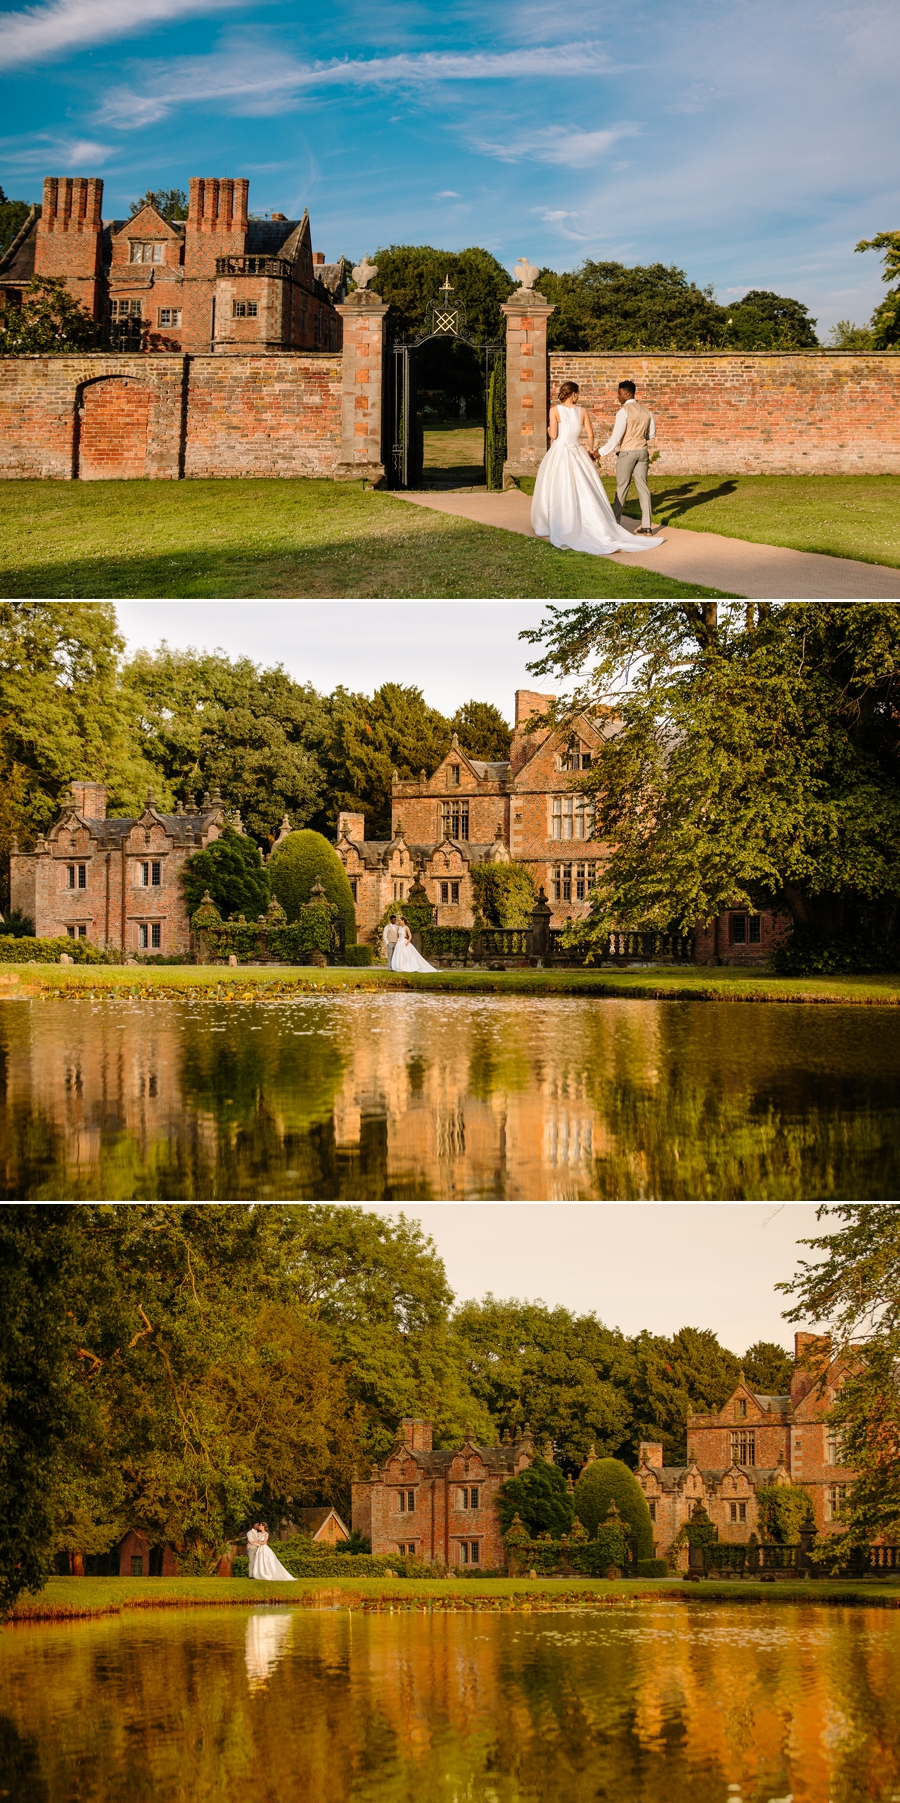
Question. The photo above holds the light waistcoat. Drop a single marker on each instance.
(637, 431)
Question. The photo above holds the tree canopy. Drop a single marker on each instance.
(768, 1369)
(539, 1496)
(610, 307)
(172, 203)
(232, 870)
(885, 325)
(482, 731)
(504, 894)
(410, 275)
(13, 214)
(48, 321)
(754, 759)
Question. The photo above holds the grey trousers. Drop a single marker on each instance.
(634, 464)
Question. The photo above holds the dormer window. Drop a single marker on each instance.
(153, 252)
(454, 773)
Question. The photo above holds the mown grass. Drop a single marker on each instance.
(728, 985)
(840, 516)
(70, 1598)
(292, 538)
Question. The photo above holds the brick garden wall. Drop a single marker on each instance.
(101, 416)
(806, 413)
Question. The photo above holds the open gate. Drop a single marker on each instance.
(404, 448)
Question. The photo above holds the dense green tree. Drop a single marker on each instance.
(783, 1510)
(366, 738)
(410, 275)
(538, 1495)
(756, 758)
(606, 1481)
(62, 716)
(172, 203)
(765, 321)
(292, 871)
(673, 1378)
(768, 1369)
(378, 1290)
(232, 870)
(13, 214)
(504, 894)
(852, 1287)
(482, 731)
(48, 321)
(564, 1374)
(886, 317)
(205, 721)
(846, 336)
(608, 307)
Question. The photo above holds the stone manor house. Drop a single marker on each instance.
(219, 281)
(441, 1506)
(116, 882)
(469, 811)
(750, 1442)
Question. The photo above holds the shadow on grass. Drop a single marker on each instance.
(685, 498)
(455, 560)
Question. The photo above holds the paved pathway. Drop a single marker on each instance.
(756, 572)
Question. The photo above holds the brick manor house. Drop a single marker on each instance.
(469, 811)
(114, 882)
(754, 1441)
(219, 281)
(438, 1506)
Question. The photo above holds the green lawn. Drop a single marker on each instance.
(672, 984)
(64, 1598)
(457, 451)
(301, 539)
(842, 516)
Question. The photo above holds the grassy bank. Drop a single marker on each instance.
(77, 1598)
(663, 984)
(291, 538)
(841, 516)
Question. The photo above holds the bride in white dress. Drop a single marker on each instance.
(569, 504)
(265, 1564)
(405, 956)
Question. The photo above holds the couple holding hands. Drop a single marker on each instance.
(569, 505)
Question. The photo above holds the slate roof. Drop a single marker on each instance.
(497, 1459)
(183, 829)
(490, 772)
(671, 1475)
(373, 850)
(778, 1405)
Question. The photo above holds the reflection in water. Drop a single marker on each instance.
(394, 1097)
(268, 1633)
(647, 1703)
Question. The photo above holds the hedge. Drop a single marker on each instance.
(49, 951)
(651, 1568)
(304, 1559)
(359, 955)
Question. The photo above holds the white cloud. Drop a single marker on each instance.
(252, 80)
(44, 150)
(41, 32)
(448, 194)
(557, 144)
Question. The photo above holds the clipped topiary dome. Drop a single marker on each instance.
(608, 1480)
(292, 870)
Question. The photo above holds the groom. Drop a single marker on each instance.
(389, 938)
(634, 427)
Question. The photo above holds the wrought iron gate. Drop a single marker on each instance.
(403, 448)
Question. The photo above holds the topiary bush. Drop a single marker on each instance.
(359, 955)
(539, 1496)
(231, 868)
(652, 1568)
(605, 1481)
(292, 870)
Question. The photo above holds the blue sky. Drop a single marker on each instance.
(752, 142)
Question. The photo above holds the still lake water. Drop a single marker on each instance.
(631, 1703)
(413, 1097)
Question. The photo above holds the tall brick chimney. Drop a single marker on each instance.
(68, 242)
(216, 222)
(650, 1452)
(524, 745)
(416, 1434)
(812, 1352)
(90, 800)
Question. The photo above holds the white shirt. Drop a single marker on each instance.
(618, 431)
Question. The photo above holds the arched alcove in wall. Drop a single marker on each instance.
(113, 423)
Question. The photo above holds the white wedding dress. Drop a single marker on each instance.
(569, 504)
(407, 958)
(265, 1565)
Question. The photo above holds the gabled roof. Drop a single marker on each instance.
(155, 221)
(311, 1521)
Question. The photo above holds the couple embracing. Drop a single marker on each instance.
(398, 948)
(569, 505)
